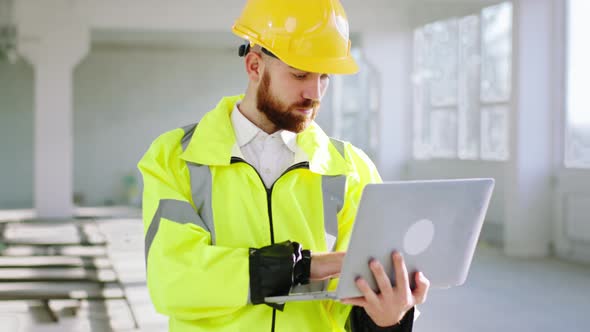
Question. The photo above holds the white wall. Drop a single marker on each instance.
(571, 213)
(16, 135)
(124, 97)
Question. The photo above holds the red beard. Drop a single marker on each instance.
(283, 117)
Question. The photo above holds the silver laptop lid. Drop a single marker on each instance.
(434, 224)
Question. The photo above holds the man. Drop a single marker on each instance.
(248, 202)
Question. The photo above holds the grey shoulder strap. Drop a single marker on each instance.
(333, 189)
(188, 134)
(339, 145)
(201, 184)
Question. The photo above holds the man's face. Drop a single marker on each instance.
(291, 99)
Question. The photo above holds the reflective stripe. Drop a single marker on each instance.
(182, 212)
(333, 200)
(201, 186)
(333, 197)
(174, 210)
(339, 145)
(188, 134)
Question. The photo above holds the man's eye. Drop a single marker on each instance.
(300, 76)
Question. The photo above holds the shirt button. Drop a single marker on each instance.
(267, 170)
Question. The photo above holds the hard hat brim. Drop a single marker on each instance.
(344, 66)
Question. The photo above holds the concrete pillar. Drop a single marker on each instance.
(53, 36)
(529, 172)
(385, 46)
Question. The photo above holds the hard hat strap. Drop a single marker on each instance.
(245, 48)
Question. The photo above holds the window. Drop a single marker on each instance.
(355, 106)
(462, 86)
(577, 140)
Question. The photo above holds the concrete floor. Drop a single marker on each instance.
(501, 294)
(508, 294)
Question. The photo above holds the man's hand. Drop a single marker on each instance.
(326, 265)
(391, 304)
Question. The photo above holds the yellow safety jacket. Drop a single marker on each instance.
(204, 207)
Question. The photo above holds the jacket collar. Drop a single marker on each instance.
(214, 142)
(246, 131)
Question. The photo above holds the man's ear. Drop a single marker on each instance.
(254, 66)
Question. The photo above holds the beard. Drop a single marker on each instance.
(283, 116)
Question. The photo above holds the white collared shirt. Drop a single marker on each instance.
(271, 154)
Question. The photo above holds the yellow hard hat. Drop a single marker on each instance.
(310, 35)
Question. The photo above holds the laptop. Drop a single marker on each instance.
(435, 225)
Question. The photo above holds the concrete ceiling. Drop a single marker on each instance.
(170, 34)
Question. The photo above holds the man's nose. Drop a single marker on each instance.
(313, 88)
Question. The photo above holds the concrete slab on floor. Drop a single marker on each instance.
(501, 294)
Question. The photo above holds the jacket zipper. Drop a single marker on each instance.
(304, 164)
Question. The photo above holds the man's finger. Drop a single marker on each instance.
(422, 286)
(401, 274)
(367, 291)
(381, 277)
